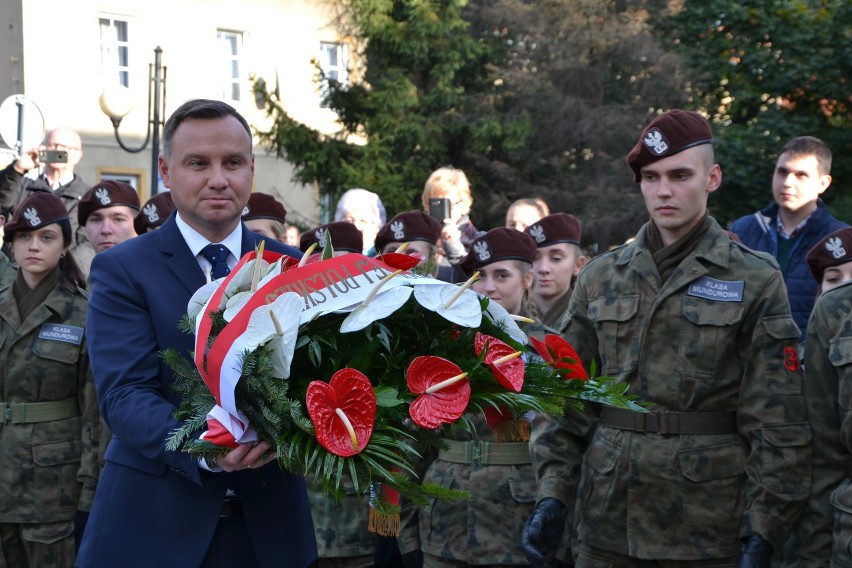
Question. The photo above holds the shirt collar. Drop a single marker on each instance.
(196, 241)
(64, 180)
(795, 231)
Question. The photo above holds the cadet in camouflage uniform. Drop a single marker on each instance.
(492, 463)
(49, 421)
(698, 326)
(828, 388)
(828, 392)
(557, 264)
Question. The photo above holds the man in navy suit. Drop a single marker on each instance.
(154, 507)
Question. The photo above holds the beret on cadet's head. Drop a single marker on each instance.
(668, 134)
(554, 229)
(36, 211)
(264, 206)
(833, 250)
(108, 193)
(154, 213)
(502, 243)
(409, 226)
(344, 237)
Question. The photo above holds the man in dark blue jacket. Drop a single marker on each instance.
(788, 228)
(155, 507)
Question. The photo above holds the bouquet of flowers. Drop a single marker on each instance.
(348, 365)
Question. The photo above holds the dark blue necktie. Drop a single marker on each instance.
(217, 256)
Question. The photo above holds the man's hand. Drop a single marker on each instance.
(757, 552)
(26, 161)
(246, 456)
(542, 531)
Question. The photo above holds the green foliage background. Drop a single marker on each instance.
(545, 98)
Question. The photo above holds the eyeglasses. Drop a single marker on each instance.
(57, 146)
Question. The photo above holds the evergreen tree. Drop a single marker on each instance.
(424, 100)
(766, 72)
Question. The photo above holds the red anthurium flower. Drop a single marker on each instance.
(560, 355)
(343, 411)
(399, 261)
(217, 434)
(504, 361)
(443, 388)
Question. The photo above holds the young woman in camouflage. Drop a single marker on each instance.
(828, 391)
(492, 463)
(49, 422)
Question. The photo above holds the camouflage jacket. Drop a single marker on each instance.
(828, 392)
(485, 531)
(680, 347)
(50, 468)
(557, 317)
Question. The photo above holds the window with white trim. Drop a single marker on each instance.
(334, 61)
(230, 48)
(115, 49)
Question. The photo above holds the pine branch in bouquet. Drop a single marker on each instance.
(391, 362)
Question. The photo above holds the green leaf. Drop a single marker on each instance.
(387, 397)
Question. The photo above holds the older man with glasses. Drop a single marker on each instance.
(55, 175)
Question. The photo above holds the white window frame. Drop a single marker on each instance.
(338, 70)
(113, 70)
(231, 60)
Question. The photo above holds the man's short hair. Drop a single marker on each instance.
(204, 109)
(810, 146)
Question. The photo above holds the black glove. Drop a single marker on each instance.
(80, 520)
(542, 531)
(757, 552)
(413, 559)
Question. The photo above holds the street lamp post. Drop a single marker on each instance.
(117, 103)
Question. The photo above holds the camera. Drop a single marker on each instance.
(439, 208)
(53, 156)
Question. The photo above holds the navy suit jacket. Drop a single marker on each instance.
(154, 507)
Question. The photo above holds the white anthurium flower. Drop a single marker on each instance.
(500, 316)
(235, 304)
(383, 305)
(245, 287)
(273, 270)
(200, 299)
(464, 310)
(275, 325)
(241, 281)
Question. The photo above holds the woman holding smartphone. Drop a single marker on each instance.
(49, 440)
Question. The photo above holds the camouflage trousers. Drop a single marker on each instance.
(366, 561)
(591, 557)
(430, 561)
(45, 545)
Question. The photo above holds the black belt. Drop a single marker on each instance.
(232, 507)
(667, 422)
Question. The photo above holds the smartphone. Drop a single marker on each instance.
(53, 157)
(439, 208)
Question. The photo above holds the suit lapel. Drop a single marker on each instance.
(177, 256)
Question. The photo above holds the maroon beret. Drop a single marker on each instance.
(834, 249)
(264, 206)
(36, 211)
(344, 236)
(154, 213)
(668, 134)
(502, 243)
(554, 229)
(409, 226)
(108, 193)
